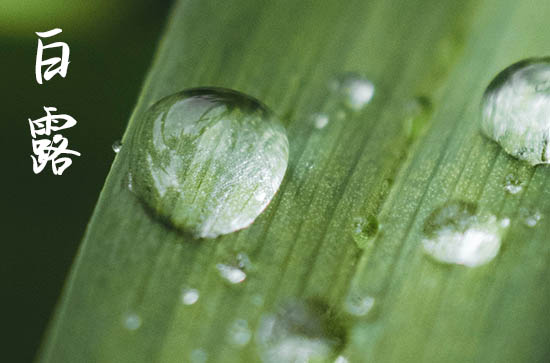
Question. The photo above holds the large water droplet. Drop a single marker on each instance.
(300, 332)
(516, 110)
(354, 90)
(455, 233)
(208, 160)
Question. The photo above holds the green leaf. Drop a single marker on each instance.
(383, 163)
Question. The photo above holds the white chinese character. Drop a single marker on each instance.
(51, 150)
(63, 61)
(48, 123)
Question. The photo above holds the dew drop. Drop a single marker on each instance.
(208, 160)
(512, 184)
(300, 332)
(456, 234)
(132, 321)
(320, 120)
(239, 333)
(117, 145)
(530, 217)
(233, 275)
(358, 305)
(364, 230)
(516, 110)
(189, 296)
(355, 90)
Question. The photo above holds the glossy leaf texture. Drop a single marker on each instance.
(414, 147)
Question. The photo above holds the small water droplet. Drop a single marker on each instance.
(505, 222)
(515, 109)
(243, 261)
(300, 332)
(456, 234)
(320, 120)
(189, 296)
(530, 217)
(132, 321)
(232, 274)
(512, 184)
(239, 334)
(358, 305)
(364, 230)
(208, 160)
(130, 182)
(117, 145)
(355, 90)
(198, 356)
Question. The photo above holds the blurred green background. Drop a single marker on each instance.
(44, 216)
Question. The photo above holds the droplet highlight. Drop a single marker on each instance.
(456, 234)
(354, 90)
(515, 110)
(320, 120)
(189, 296)
(231, 274)
(300, 332)
(208, 160)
